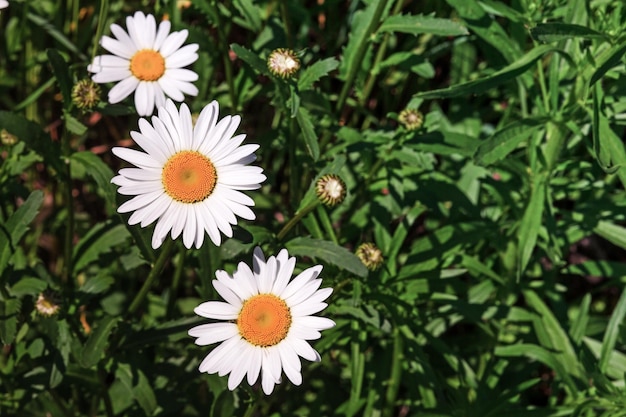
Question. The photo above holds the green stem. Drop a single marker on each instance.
(251, 409)
(396, 374)
(68, 246)
(178, 273)
(156, 270)
(106, 398)
(358, 57)
(285, 15)
(296, 218)
(325, 220)
(104, 6)
(371, 79)
(228, 66)
(542, 85)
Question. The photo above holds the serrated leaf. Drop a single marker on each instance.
(100, 172)
(316, 71)
(363, 23)
(28, 286)
(250, 13)
(142, 391)
(17, 225)
(418, 24)
(98, 241)
(250, 58)
(505, 140)
(556, 31)
(62, 74)
(507, 73)
(308, 133)
(9, 309)
(328, 252)
(97, 342)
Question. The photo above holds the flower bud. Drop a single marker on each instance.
(330, 189)
(370, 255)
(283, 63)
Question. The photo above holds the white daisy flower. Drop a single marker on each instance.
(4, 4)
(265, 321)
(190, 176)
(147, 61)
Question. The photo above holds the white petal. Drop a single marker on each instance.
(181, 74)
(217, 310)
(314, 322)
(204, 124)
(107, 75)
(227, 294)
(117, 48)
(290, 362)
(213, 362)
(182, 57)
(303, 293)
(163, 31)
(286, 267)
(122, 89)
(254, 366)
(301, 280)
(306, 309)
(139, 159)
(173, 42)
(303, 349)
(124, 39)
(213, 332)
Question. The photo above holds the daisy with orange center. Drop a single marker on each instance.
(265, 323)
(147, 61)
(190, 177)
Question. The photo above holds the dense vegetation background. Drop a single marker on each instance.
(500, 219)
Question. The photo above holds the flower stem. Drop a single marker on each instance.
(298, 216)
(328, 226)
(104, 6)
(178, 273)
(156, 270)
(358, 57)
(396, 374)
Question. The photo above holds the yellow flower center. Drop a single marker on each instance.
(147, 65)
(264, 320)
(189, 177)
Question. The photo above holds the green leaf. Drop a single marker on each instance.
(100, 172)
(506, 140)
(537, 353)
(73, 125)
(327, 252)
(579, 327)
(612, 332)
(97, 342)
(56, 34)
(551, 334)
(250, 13)
(316, 71)
(250, 58)
(486, 28)
(9, 309)
(481, 85)
(363, 23)
(28, 286)
(607, 60)
(444, 143)
(142, 391)
(531, 222)
(97, 284)
(16, 226)
(36, 139)
(416, 25)
(62, 74)
(611, 232)
(555, 31)
(310, 138)
(99, 240)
